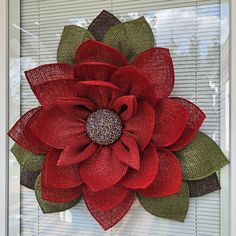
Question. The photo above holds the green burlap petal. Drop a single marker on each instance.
(201, 158)
(51, 207)
(173, 207)
(131, 37)
(72, 37)
(28, 160)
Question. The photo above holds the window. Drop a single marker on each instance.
(196, 32)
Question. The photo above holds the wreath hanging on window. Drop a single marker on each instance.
(107, 129)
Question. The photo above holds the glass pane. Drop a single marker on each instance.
(196, 32)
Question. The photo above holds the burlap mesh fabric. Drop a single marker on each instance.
(168, 179)
(109, 218)
(93, 79)
(201, 158)
(28, 160)
(130, 38)
(72, 37)
(93, 51)
(50, 207)
(47, 73)
(204, 186)
(101, 24)
(158, 67)
(28, 178)
(172, 207)
(21, 133)
(107, 199)
(194, 122)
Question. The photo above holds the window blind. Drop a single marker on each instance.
(191, 30)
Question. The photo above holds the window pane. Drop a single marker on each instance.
(192, 31)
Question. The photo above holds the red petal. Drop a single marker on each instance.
(57, 177)
(109, 218)
(23, 136)
(169, 176)
(126, 106)
(94, 51)
(144, 117)
(57, 129)
(49, 92)
(49, 72)
(94, 71)
(171, 119)
(196, 117)
(77, 107)
(157, 66)
(100, 93)
(77, 151)
(61, 195)
(126, 150)
(107, 199)
(103, 170)
(133, 82)
(142, 178)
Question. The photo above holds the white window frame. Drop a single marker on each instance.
(4, 119)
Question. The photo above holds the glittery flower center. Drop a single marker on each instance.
(104, 126)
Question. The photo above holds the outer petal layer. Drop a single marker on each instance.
(109, 218)
(204, 186)
(23, 136)
(144, 117)
(102, 23)
(43, 82)
(102, 170)
(171, 119)
(57, 128)
(196, 117)
(157, 66)
(172, 207)
(71, 38)
(92, 51)
(107, 199)
(57, 177)
(49, 92)
(49, 72)
(142, 178)
(131, 37)
(47, 198)
(169, 177)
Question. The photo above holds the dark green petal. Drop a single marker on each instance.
(72, 37)
(201, 158)
(173, 207)
(30, 161)
(131, 37)
(50, 207)
(102, 23)
(204, 186)
(28, 178)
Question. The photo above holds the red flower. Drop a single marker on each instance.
(108, 128)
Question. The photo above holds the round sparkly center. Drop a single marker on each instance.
(104, 126)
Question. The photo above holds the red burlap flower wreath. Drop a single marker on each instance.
(107, 128)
